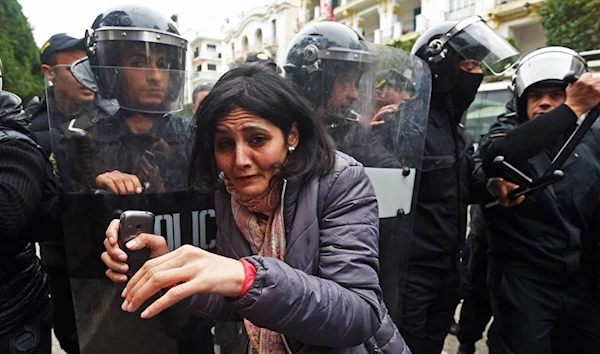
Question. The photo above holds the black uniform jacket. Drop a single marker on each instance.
(542, 238)
(451, 179)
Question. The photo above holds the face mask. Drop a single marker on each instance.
(463, 93)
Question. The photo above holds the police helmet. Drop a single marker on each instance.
(442, 47)
(545, 66)
(319, 53)
(145, 31)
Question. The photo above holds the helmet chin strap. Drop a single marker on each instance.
(333, 121)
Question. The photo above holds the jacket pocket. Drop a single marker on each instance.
(438, 178)
(581, 185)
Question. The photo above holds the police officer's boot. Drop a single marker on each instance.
(465, 348)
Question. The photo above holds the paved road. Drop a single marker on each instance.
(450, 347)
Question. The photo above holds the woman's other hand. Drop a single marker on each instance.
(186, 271)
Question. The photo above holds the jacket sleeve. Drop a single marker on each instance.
(341, 306)
(478, 192)
(210, 306)
(21, 181)
(519, 143)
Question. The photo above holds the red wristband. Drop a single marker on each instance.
(250, 272)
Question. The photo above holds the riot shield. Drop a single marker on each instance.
(374, 100)
(137, 137)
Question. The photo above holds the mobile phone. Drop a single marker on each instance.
(150, 157)
(133, 223)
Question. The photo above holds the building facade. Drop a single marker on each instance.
(380, 21)
(264, 28)
(384, 21)
(205, 62)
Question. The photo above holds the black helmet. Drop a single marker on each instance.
(545, 66)
(392, 78)
(144, 30)
(444, 45)
(319, 53)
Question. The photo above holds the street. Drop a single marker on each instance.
(450, 346)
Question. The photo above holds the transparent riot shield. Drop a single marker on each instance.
(374, 100)
(98, 143)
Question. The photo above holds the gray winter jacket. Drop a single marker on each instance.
(325, 297)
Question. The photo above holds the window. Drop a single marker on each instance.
(197, 52)
(456, 5)
(416, 12)
(212, 67)
(211, 47)
(244, 44)
(199, 67)
(484, 110)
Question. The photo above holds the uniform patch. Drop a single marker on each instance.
(52, 159)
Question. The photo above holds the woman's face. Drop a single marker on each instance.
(249, 150)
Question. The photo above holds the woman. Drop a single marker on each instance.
(297, 229)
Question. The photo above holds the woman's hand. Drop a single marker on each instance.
(186, 271)
(115, 258)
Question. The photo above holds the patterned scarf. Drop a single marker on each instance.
(259, 220)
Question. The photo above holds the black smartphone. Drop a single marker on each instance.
(133, 223)
(150, 157)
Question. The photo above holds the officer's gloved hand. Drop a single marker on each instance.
(583, 94)
(119, 183)
(501, 189)
(150, 173)
(161, 149)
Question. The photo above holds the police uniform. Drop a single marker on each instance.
(542, 285)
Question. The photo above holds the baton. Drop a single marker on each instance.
(553, 173)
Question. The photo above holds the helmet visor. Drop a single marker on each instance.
(141, 76)
(547, 66)
(478, 41)
(334, 75)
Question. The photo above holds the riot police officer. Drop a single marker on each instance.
(25, 306)
(66, 99)
(335, 69)
(541, 287)
(455, 52)
(142, 142)
(327, 61)
(135, 158)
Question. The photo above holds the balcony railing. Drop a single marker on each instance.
(208, 55)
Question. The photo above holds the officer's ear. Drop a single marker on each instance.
(48, 72)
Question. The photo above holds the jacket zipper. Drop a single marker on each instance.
(285, 343)
(282, 199)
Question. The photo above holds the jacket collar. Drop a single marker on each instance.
(114, 127)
